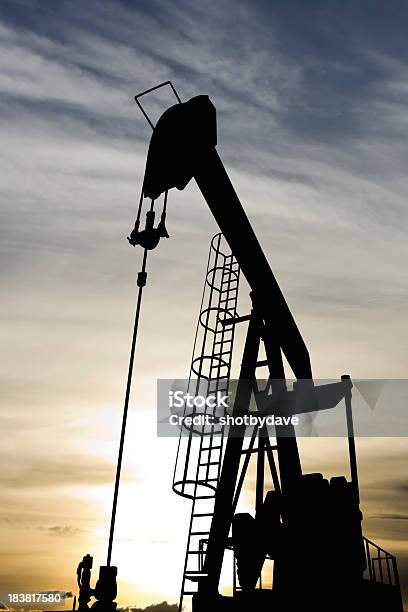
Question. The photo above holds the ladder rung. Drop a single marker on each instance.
(220, 365)
(217, 365)
(203, 513)
(195, 576)
(210, 448)
(196, 533)
(189, 592)
(209, 463)
(218, 387)
(196, 552)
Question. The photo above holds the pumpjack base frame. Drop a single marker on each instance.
(363, 597)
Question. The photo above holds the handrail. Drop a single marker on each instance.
(386, 574)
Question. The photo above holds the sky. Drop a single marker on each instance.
(312, 127)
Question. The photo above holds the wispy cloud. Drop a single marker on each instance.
(63, 531)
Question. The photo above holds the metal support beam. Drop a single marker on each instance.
(351, 441)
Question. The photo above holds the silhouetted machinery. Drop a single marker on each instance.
(306, 527)
(309, 528)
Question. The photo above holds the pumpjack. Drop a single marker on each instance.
(308, 527)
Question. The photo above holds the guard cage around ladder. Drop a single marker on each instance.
(200, 449)
(200, 446)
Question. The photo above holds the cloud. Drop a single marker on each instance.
(63, 530)
(57, 472)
